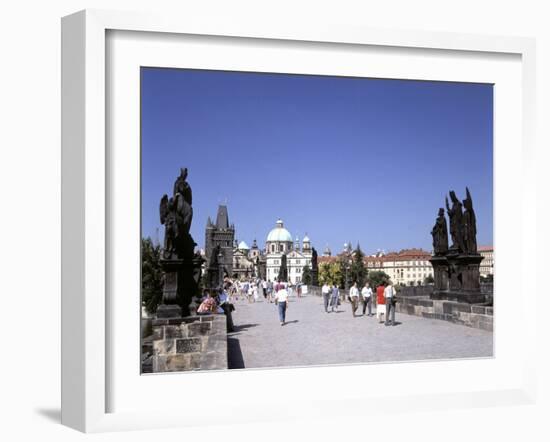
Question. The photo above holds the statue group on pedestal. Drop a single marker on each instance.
(462, 224)
(181, 265)
(456, 268)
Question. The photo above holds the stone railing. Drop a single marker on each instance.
(417, 290)
(191, 343)
(471, 315)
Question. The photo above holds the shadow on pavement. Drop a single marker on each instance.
(242, 327)
(294, 321)
(234, 354)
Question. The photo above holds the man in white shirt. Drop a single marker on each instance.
(325, 290)
(389, 294)
(354, 298)
(366, 297)
(281, 299)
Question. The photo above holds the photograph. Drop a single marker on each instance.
(293, 220)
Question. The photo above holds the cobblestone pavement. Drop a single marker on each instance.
(313, 337)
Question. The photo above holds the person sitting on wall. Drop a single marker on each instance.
(208, 306)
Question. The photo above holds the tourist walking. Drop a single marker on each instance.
(380, 302)
(255, 289)
(325, 290)
(389, 294)
(270, 291)
(244, 289)
(334, 298)
(281, 300)
(366, 298)
(354, 298)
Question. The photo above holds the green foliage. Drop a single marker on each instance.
(377, 277)
(331, 273)
(151, 275)
(306, 275)
(358, 271)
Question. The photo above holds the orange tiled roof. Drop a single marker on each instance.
(485, 249)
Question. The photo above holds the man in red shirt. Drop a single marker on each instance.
(380, 302)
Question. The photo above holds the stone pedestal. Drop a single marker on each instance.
(180, 286)
(462, 281)
(464, 270)
(190, 343)
(441, 272)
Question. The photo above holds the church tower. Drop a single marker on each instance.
(223, 234)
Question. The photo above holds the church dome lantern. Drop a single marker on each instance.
(279, 234)
(279, 240)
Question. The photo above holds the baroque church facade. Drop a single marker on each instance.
(278, 243)
(242, 262)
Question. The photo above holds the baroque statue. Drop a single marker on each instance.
(456, 222)
(283, 270)
(469, 224)
(440, 234)
(176, 213)
(314, 264)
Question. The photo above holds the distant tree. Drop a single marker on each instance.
(306, 275)
(151, 275)
(331, 273)
(429, 280)
(377, 277)
(324, 273)
(358, 271)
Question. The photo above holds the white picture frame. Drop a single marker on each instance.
(86, 206)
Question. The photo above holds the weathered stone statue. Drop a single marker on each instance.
(283, 270)
(314, 268)
(176, 214)
(314, 265)
(469, 224)
(168, 218)
(440, 234)
(455, 222)
(180, 263)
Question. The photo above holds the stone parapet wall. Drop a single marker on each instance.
(471, 315)
(418, 290)
(190, 343)
(313, 290)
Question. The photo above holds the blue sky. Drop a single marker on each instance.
(343, 159)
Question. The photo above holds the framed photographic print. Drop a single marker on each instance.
(248, 206)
